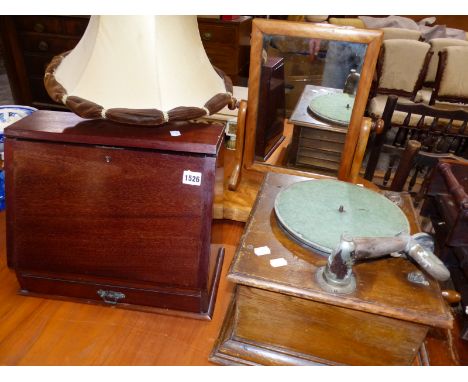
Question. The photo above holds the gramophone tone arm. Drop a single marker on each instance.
(374, 247)
(419, 247)
(337, 276)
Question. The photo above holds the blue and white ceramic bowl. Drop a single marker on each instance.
(10, 114)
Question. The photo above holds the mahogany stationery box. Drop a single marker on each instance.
(114, 214)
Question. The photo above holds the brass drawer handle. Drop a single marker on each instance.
(207, 36)
(39, 27)
(110, 296)
(43, 46)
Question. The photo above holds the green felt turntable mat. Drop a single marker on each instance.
(333, 107)
(310, 212)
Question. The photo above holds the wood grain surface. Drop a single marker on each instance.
(202, 138)
(38, 331)
(389, 294)
(332, 335)
(89, 220)
(383, 322)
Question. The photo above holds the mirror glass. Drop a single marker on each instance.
(306, 96)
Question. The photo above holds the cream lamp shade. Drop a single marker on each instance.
(145, 70)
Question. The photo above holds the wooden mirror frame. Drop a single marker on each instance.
(260, 27)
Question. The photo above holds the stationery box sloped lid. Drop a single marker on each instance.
(55, 126)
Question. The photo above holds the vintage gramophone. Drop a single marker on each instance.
(368, 297)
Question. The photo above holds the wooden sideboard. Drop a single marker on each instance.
(227, 44)
(30, 42)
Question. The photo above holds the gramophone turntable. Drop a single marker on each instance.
(359, 223)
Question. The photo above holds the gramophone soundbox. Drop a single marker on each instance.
(114, 214)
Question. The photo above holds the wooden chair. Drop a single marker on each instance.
(437, 45)
(433, 134)
(401, 69)
(410, 165)
(446, 205)
(451, 82)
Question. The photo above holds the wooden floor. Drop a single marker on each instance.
(36, 331)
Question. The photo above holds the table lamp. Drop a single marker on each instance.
(144, 70)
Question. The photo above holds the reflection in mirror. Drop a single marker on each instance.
(312, 83)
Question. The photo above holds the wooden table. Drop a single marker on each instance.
(280, 316)
(316, 143)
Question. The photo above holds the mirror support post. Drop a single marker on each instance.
(235, 177)
(360, 149)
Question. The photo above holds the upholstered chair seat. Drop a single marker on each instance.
(377, 106)
(424, 95)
